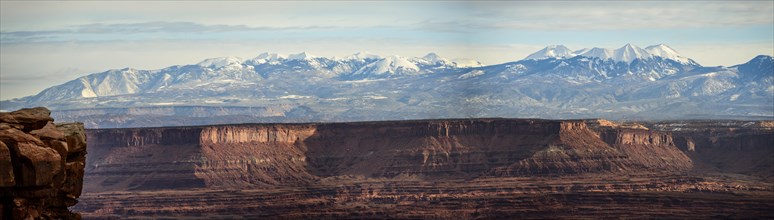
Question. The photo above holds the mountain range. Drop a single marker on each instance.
(628, 83)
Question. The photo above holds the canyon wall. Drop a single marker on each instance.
(726, 146)
(250, 155)
(449, 168)
(244, 155)
(143, 158)
(41, 165)
(653, 150)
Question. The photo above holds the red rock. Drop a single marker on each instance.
(73, 185)
(279, 154)
(75, 136)
(43, 163)
(6, 167)
(40, 176)
(48, 132)
(29, 118)
(445, 169)
(11, 136)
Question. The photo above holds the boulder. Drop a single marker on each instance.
(75, 135)
(28, 118)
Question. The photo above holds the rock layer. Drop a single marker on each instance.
(41, 165)
(292, 154)
(585, 197)
(726, 146)
(424, 169)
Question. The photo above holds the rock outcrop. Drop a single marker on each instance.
(41, 165)
(654, 150)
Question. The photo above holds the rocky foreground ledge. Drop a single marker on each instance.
(41, 165)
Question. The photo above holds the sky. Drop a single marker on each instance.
(47, 43)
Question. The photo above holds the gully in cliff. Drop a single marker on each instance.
(41, 165)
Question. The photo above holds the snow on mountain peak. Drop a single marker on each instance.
(220, 62)
(434, 58)
(363, 55)
(626, 53)
(581, 51)
(552, 51)
(597, 52)
(464, 62)
(629, 53)
(267, 57)
(662, 50)
(391, 64)
(301, 56)
(270, 56)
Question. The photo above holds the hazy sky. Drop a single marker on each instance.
(43, 44)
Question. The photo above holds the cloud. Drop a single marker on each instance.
(41, 37)
(452, 26)
(93, 30)
(180, 27)
(588, 16)
(483, 16)
(465, 18)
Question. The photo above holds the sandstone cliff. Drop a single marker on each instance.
(41, 165)
(725, 146)
(292, 154)
(654, 150)
(425, 169)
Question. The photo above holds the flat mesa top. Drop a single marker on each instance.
(385, 122)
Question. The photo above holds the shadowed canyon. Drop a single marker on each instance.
(445, 168)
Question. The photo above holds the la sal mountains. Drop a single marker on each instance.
(556, 82)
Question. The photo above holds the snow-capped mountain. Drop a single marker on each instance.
(552, 51)
(597, 52)
(220, 62)
(365, 55)
(624, 83)
(627, 53)
(389, 66)
(628, 63)
(434, 58)
(301, 56)
(266, 58)
(664, 51)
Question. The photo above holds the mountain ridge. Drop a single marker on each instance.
(365, 86)
(627, 53)
(389, 61)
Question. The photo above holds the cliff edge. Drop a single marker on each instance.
(256, 155)
(41, 165)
